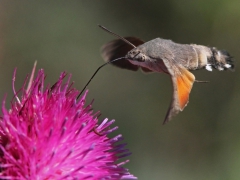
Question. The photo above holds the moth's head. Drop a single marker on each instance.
(136, 54)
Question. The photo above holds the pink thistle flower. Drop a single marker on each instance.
(49, 135)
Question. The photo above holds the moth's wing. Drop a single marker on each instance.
(182, 81)
(118, 48)
(146, 70)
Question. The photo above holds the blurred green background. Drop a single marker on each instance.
(202, 142)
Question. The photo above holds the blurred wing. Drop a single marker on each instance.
(146, 70)
(118, 48)
(182, 81)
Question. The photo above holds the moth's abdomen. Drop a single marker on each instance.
(213, 58)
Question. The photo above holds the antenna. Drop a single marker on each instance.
(96, 73)
(122, 38)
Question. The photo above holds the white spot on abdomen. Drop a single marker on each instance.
(227, 65)
(208, 67)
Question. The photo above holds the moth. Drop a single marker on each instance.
(165, 56)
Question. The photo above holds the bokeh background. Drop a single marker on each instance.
(202, 142)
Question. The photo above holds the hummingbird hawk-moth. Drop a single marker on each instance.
(165, 56)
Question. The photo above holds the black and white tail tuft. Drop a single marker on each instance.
(220, 60)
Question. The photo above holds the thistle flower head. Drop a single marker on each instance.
(50, 135)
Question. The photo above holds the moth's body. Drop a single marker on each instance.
(192, 56)
(165, 56)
